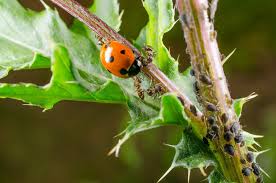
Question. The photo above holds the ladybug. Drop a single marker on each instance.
(120, 60)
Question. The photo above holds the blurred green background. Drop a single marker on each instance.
(69, 143)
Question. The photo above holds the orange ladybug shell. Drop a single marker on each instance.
(117, 58)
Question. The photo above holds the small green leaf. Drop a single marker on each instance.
(191, 153)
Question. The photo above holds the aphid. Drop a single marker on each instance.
(224, 118)
(215, 128)
(193, 110)
(246, 171)
(155, 90)
(235, 128)
(211, 107)
(243, 161)
(138, 88)
(120, 60)
(256, 169)
(205, 79)
(250, 157)
(238, 138)
(228, 148)
(259, 180)
(228, 136)
(211, 120)
(192, 72)
(149, 55)
(205, 141)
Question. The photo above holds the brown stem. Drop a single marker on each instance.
(200, 37)
(107, 33)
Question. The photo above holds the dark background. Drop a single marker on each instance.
(69, 143)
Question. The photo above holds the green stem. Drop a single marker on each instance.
(200, 37)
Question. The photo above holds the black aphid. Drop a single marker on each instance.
(235, 127)
(228, 136)
(250, 157)
(211, 120)
(238, 138)
(256, 169)
(205, 79)
(228, 148)
(246, 171)
(243, 161)
(224, 118)
(215, 128)
(211, 107)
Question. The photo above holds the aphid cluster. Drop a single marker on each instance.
(232, 132)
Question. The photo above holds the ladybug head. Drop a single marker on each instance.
(135, 68)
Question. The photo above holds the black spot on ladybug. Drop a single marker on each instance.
(235, 128)
(224, 118)
(228, 136)
(205, 79)
(250, 157)
(228, 148)
(211, 107)
(192, 72)
(238, 138)
(205, 141)
(110, 59)
(246, 171)
(243, 161)
(211, 120)
(181, 100)
(259, 180)
(123, 71)
(256, 169)
(193, 110)
(123, 52)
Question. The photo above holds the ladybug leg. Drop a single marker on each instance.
(150, 54)
(138, 87)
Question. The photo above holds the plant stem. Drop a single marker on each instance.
(200, 37)
(108, 34)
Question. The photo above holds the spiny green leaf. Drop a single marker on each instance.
(191, 153)
(171, 113)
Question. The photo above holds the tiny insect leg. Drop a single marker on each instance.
(150, 54)
(138, 87)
